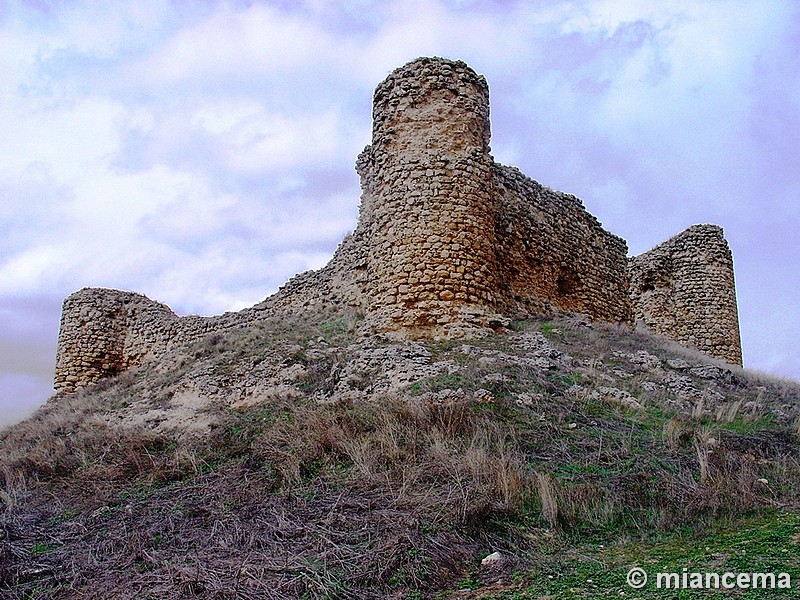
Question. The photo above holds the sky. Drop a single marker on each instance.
(201, 153)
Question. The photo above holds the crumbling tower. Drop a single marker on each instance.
(684, 289)
(104, 332)
(427, 207)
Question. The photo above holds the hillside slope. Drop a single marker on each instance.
(304, 459)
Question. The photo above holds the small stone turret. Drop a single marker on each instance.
(684, 289)
(104, 332)
(427, 209)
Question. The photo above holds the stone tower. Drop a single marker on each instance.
(104, 332)
(684, 289)
(427, 209)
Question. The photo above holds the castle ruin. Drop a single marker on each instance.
(448, 243)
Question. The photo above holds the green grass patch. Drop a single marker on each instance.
(41, 548)
(763, 543)
(745, 425)
(547, 327)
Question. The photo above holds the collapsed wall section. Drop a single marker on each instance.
(105, 332)
(684, 289)
(554, 254)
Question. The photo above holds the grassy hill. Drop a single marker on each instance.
(303, 459)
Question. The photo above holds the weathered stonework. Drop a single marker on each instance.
(684, 289)
(104, 332)
(554, 254)
(456, 239)
(428, 209)
(448, 242)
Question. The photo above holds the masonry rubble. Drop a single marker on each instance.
(448, 244)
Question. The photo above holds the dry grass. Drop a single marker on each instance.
(703, 461)
(388, 497)
(328, 498)
(676, 431)
(403, 444)
(548, 498)
(698, 410)
(727, 413)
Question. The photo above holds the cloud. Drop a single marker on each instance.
(28, 327)
(250, 139)
(257, 40)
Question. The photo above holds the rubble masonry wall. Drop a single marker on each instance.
(684, 289)
(448, 242)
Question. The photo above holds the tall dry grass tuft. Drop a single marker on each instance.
(492, 462)
(12, 486)
(463, 461)
(676, 431)
(548, 498)
(727, 413)
(582, 503)
(698, 409)
(703, 461)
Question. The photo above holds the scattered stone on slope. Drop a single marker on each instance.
(678, 364)
(492, 559)
(645, 360)
(613, 395)
(528, 398)
(682, 385)
(708, 372)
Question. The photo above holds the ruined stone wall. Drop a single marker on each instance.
(104, 332)
(447, 242)
(684, 289)
(555, 254)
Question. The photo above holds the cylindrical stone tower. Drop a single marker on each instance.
(684, 289)
(104, 332)
(427, 205)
